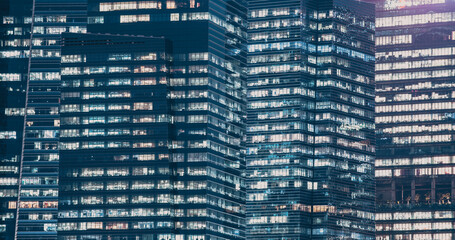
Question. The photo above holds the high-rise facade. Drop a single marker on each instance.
(280, 130)
(31, 78)
(38, 198)
(152, 134)
(415, 120)
(116, 177)
(310, 152)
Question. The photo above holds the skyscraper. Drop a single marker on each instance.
(310, 151)
(147, 136)
(38, 199)
(415, 119)
(116, 175)
(32, 81)
(153, 132)
(15, 44)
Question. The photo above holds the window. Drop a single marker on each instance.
(175, 17)
(119, 82)
(198, 81)
(144, 81)
(92, 145)
(145, 69)
(93, 132)
(96, 20)
(144, 157)
(93, 107)
(119, 94)
(91, 186)
(69, 133)
(10, 77)
(92, 95)
(143, 106)
(119, 69)
(69, 146)
(118, 119)
(170, 4)
(71, 58)
(93, 120)
(117, 185)
(8, 20)
(115, 107)
(198, 56)
(118, 171)
(94, 70)
(118, 6)
(134, 18)
(145, 56)
(119, 199)
(119, 57)
(7, 135)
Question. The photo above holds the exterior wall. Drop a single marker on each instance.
(310, 120)
(115, 167)
(415, 119)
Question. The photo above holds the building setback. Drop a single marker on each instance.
(310, 151)
(152, 134)
(415, 120)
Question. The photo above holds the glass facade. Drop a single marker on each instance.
(30, 80)
(120, 136)
(152, 139)
(38, 199)
(115, 172)
(415, 119)
(310, 120)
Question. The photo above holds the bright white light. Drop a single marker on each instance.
(398, 4)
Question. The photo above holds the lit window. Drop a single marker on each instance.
(171, 5)
(175, 17)
(143, 106)
(134, 18)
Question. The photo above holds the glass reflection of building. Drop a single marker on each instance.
(310, 151)
(415, 70)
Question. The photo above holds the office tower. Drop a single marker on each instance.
(310, 131)
(15, 39)
(152, 133)
(31, 80)
(37, 208)
(415, 120)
